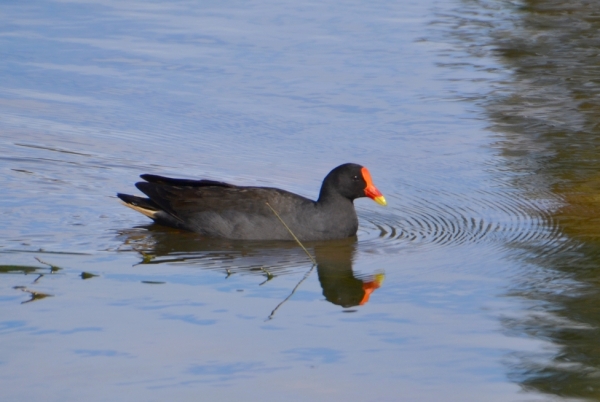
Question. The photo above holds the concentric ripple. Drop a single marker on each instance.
(445, 219)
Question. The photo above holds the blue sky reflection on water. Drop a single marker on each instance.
(265, 94)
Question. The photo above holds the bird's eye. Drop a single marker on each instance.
(355, 178)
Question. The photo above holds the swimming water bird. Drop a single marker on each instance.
(223, 210)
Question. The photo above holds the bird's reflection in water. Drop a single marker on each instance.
(334, 259)
(340, 285)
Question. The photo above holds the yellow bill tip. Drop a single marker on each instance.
(380, 200)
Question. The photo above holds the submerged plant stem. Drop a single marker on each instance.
(292, 293)
(305, 275)
(53, 268)
(293, 235)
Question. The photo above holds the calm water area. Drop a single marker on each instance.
(478, 120)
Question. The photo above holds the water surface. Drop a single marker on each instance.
(476, 120)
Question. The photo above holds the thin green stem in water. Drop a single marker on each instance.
(291, 293)
(305, 275)
(293, 235)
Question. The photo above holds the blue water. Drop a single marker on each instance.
(260, 93)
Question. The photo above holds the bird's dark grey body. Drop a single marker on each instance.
(223, 210)
(206, 212)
